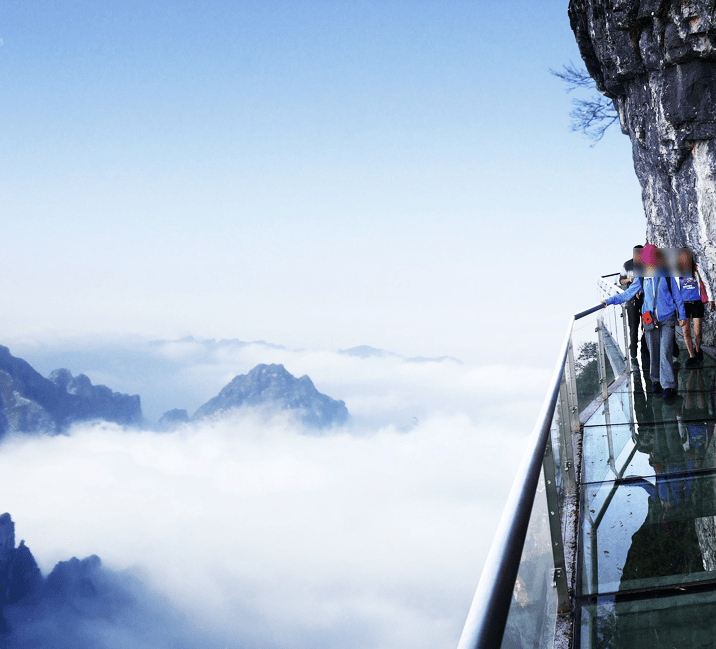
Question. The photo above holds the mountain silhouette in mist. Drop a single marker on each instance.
(274, 388)
(31, 403)
(83, 605)
(25, 593)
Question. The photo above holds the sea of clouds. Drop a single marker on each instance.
(257, 532)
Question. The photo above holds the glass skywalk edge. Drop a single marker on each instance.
(646, 572)
(509, 605)
(545, 578)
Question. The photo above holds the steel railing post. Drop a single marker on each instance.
(571, 382)
(555, 530)
(627, 351)
(569, 479)
(602, 360)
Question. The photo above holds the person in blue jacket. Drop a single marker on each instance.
(694, 307)
(662, 298)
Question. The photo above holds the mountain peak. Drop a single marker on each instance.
(7, 536)
(275, 387)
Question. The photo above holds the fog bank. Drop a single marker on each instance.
(270, 536)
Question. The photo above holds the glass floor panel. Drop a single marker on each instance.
(633, 402)
(648, 533)
(627, 450)
(674, 621)
(616, 409)
(647, 539)
(698, 378)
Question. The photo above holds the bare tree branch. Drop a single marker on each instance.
(592, 115)
(574, 77)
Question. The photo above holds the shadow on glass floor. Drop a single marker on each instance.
(643, 534)
(648, 563)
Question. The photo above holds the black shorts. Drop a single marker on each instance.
(694, 309)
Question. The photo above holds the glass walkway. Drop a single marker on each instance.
(620, 546)
(646, 560)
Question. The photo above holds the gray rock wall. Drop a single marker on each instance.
(656, 59)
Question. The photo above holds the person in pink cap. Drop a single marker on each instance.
(662, 304)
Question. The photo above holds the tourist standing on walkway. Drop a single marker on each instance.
(690, 283)
(662, 301)
(633, 307)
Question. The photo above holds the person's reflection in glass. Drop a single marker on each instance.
(643, 430)
(666, 544)
(695, 419)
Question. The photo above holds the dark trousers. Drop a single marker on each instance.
(633, 309)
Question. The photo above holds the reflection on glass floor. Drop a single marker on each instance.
(647, 549)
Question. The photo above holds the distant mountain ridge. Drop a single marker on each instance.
(31, 403)
(273, 386)
(366, 351)
(157, 369)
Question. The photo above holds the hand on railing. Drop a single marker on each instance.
(577, 316)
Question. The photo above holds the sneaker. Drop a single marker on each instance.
(668, 393)
(692, 362)
(656, 387)
(700, 355)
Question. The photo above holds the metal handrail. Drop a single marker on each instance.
(485, 624)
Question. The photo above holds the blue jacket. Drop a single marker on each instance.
(666, 301)
(690, 289)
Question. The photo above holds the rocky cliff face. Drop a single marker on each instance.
(20, 578)
(83, 605)
(273, 387)
(656, 59)
(55, 611)
(73, 588)
(31, 403)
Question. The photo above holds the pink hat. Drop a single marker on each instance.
(649, 255)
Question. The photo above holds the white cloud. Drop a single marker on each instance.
(371, 536)
(290, 540)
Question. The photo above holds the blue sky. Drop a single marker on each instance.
(399, 174)
(320, 175)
